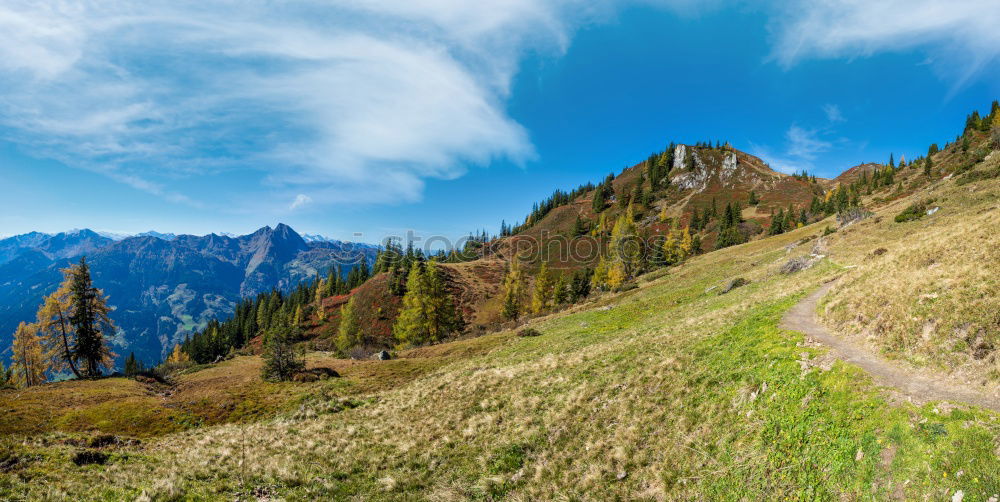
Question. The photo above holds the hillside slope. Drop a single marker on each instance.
(668, 391)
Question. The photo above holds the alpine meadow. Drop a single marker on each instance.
(723, 251)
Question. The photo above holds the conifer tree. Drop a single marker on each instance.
(281, 361)
(671, 248)
(696, 244)
(562, 290)
(6, 378)
(544, 292)
(90, 320)
(778, 223)
(625, 251)
(686, 243)
(54, 326)
(29, 365)
(512, 291)
(132, 365)
(928, 166)
(349, 330)
(995, 126)
(601, 272)
(579, 227)
(754, 200)
(617, 275)
(428, 313)
(178, 356)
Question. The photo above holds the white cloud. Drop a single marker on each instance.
(300, 200)
(805, 143)
(802, 148)
(961, 36)
(833, 113)
(354, 100)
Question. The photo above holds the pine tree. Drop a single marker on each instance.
(512, 291)
(90, 320)
(696, 244)
(563, 293)
(541, 299)
(428, 313)
(349, 331)
(29, 365)
(132, 365)
(6, 378)
(54, 326)
(928, 166)
(754, 200)
(579, 227)
(778, 223)
(281, 362)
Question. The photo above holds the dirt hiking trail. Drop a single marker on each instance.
(920, 387)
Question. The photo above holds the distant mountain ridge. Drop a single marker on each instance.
(163, 285)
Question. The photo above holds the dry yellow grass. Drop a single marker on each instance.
(927, 291)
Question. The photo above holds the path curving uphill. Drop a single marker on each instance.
(921, 388)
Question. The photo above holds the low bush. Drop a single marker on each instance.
(914, 212)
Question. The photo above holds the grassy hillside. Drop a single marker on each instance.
(668, 391)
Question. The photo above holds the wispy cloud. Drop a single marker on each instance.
(354, 100)
(802, 148)
(960, 36)
(833, 113)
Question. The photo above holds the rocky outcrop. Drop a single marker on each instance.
(680, 154)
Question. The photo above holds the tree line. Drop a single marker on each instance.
(72, 332)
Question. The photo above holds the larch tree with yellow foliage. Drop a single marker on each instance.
(511, 308)
(54, 327)
(544, 294)
(349, 331)
(626, 249)
(321, 287)
(687, 243)
(995, 128)
(178, 356)
(671, 247)
(29, 364)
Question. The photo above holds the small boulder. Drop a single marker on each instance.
(383, 355)
(733, 284)
(795, 265)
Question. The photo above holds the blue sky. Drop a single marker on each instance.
(356, 119)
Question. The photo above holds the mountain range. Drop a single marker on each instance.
(163, 286)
